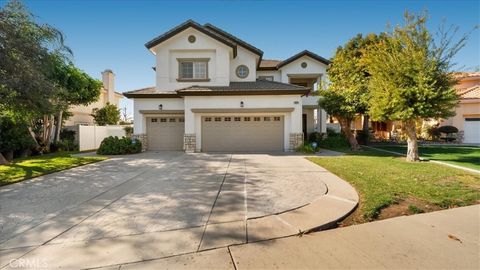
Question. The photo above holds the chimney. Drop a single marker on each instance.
(108, 79)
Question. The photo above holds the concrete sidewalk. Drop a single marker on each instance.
(446, 239)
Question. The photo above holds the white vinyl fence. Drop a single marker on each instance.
(90, 137)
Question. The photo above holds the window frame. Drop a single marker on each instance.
(193, 61)
(267, 78)
(238, 69)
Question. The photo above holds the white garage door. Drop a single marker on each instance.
(242, 133)
(165, 133)
(471, 130)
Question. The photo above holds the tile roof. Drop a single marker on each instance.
(269, 63)
(234, 88)
(461, 75)
(471, 92)
(258, 85)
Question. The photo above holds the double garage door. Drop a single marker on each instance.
(242, 133)
(220, 133)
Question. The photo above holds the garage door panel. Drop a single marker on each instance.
(242, 134)
(165, 133)
(472, 130)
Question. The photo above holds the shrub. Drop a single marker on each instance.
(433, 133)
(128, 131)
(362, 137)
(314, 137)
(331, 132)
(119, 146)
(67, 134)
(14, 137)
(448, 129)
(64, 145)
(306, 148)
(334, 141)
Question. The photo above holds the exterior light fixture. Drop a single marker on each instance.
(160, 107)
(241, 104)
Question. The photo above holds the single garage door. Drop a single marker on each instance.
(242, 133)
(165, 133)
(471, 130)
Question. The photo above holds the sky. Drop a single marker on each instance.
(107, 34)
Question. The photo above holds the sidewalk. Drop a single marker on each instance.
(448, 239)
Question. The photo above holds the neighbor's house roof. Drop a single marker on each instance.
(276, 64)
(464, 75)
(258, 87)
(471, 92)
(209, 30)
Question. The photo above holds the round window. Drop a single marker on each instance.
(242, 71)
(304, 64)
(191, 38)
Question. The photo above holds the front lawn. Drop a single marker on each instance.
(389, 186)
(25, 168)
(466, 156)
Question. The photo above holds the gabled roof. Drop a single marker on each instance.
(227, 35)
(276, 64)
(301, 54)
(190, 23)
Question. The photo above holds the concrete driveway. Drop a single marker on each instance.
(166, 202)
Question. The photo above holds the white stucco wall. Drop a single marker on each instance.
(313, 67)
(293, 120)
(178, 46)
(139, 125)
(277, 76)
(246, 58)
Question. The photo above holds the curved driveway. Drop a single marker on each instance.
(168, 202)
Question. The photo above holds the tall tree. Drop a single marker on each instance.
(75, 88)
(347, 93)
(27, 49)
(410, 76)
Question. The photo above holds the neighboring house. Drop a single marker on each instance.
(467, 118)
(214, 92)
(82, 114)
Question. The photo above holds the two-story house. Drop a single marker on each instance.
(214, 92)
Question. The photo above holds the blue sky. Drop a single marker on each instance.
(111, 34)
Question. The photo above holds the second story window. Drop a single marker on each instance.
(192, 69)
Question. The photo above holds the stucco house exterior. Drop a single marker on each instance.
(467, 113)
(215, 92)
(82, 114)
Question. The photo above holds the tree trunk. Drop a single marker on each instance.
(366, 130)
(412, 150)
(58, 127)
(3, 160)
(345, 125)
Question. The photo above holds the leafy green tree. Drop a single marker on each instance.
(75, 88)
(347, 93)
(108, 115)
(411, 78)
(27, 59)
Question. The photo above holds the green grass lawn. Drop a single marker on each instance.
(466, 156)
(25, 168)
(384, 180)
